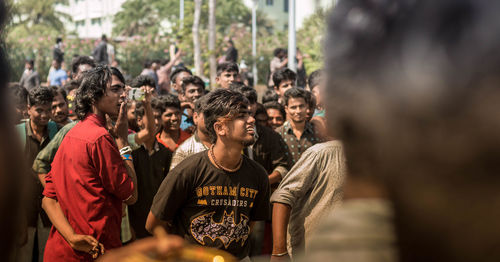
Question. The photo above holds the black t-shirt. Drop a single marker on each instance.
(150, 171)
(211, 207)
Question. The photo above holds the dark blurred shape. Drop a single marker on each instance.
(413, 92)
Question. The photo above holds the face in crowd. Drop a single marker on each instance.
(296, 109)
(193, 93)
(113, 97)
(225, 79)
(60, 110)
(275, 118)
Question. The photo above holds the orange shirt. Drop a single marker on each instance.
(183, 136)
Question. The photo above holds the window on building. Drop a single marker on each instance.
(96, 21)
(269, 2)
(285, 7)
(80, 23)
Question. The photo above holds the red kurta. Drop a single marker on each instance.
(90, 182)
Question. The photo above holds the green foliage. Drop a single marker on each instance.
(29, 17)
(310, 40)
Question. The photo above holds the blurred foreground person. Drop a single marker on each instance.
(413, 91)
(90, 178)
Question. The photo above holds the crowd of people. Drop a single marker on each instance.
(398, 166)
(200, 163)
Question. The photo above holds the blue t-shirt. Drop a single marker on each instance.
(185, 121)
(57, 76)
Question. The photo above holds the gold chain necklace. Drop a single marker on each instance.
(219, 166)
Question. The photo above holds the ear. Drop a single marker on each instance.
(220, 128)
(217, 79)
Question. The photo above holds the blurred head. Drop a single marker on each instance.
(39, 105)
(30, 64)
(198, 117)
(227, 118)
(261, 115)
(81, 64)
(193, 88)
(283, 79)
(56, 64)
(412, 93)
(143, 80)
(270, 96)
(249, 93)
(102, 89)
(227, 73)
(276, 114)
(20, 98)
(177, 76)
(315, 83)
(59, 105)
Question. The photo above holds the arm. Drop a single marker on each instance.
(85, 243)
(146, 136)
(152, 222)
(274, 177)
(129, 165)
(281, 216)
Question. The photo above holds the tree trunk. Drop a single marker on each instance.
(211, 41)
(198, 65)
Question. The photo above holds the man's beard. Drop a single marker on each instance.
(249, 142)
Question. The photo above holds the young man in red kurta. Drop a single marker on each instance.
(90, 177)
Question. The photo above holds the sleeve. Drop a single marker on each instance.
(110, 168)
(49, 190)
(280, 159)
(299, 180)
(177, 158)
(172, 194)
(44, 159)
(262, 208)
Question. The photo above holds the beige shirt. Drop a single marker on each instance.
(312, 188)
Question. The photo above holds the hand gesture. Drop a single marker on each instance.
(87, 244)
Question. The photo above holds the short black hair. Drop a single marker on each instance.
(139, 109)
(143, 80)
(161, 103)
(295, 92)
(147, 63)
(177, 71)
(30, 61)
(81, 60)
(277, 106)
(315, 78)
(192, 80)
(270, 96)
(103, 37)
(310, 99)
(227, 67)
(278, 51)
(58, 40)
(59, 90)
(283, 74)
(40, 96)
(93, 87)
(248, 92)
(71, 85)
(200, 104)
(222, 103)
(260, 109)
(20, 95)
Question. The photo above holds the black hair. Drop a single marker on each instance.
(270, 96)
(222, 103)
(40, 96)
(161, 103)
(59, 90)
(310, 99)
(177, 71)
(200, 104)
(72, 85)
(58, 40)
(192, 80)
(260, 109)
(315, 78)
(147, 63)
(81, 60)
(164, 61)
(296, 92)
(92, 88)
(248, 92)
(142, 80)
(227, 67)
(103, 37)
(278, 51)
(139, 109)
(283, 74)
(19, 94)
(277, 106)
(30, 61)
(116, 72)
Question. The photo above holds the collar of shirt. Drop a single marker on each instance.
(289, 130)
(96, 119)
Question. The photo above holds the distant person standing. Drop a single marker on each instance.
(278, 62)
(58, 51)
(231, 52)
(57, 76)
(100, 52)
(30, 78)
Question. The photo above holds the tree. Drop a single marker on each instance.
(31, 17)
(198, 65)
(211, 40)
